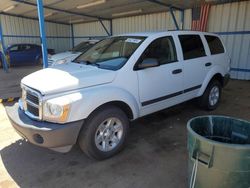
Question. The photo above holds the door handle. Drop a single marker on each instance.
(208, 64)
(177, 71)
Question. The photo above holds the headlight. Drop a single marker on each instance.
(62, 61)
(56, 110)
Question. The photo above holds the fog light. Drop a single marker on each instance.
(38, 138)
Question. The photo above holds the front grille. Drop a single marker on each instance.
(50, 62)
(33, 110)
(32, 98)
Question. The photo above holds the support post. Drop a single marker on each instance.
(111, 27)
(42, 32)
(104, 27)
(182, 19)
(72, 35)
(174, 19)
(3, 56)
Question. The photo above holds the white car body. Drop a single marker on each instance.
(67, 56)
(85, 87)
(126, 85)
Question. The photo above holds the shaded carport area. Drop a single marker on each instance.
(156, 151)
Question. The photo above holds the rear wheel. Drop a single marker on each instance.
(211, 97)
(104, 133)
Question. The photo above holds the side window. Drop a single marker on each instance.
(14, 49)
(162, 49)
(26, 47)
(192, 46)
(214, 44)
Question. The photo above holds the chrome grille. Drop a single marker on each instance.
(32, 103)
(32, 98)
(51, 62)
(33, 110)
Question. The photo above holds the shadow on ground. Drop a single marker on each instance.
(155, 155)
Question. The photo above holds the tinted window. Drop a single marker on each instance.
(14, 49)
(192, 46)
(214, 44)
(82, 47)
(26, 47)
(162, 49)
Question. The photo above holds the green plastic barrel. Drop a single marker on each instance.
(219, 152)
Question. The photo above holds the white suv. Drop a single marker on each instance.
(122, 78)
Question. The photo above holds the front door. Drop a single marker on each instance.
(160, 86)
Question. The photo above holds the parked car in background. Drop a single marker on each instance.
(25, 54)
(70, 55)
(92, 99)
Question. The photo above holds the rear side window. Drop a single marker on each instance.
(214, 44)
(192, 46)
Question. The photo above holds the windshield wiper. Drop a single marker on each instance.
(88, 63)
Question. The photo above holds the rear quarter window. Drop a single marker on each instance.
(192, 46)
(215, 44)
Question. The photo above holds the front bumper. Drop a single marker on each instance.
(49, 135)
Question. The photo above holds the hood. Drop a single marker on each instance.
(67, 77)
(64, 55)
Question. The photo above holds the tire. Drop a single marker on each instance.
(211, 97)
(95, 136)
(40, 61)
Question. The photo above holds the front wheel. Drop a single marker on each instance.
(104, 133)
(211, 97)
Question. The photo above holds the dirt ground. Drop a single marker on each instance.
(155, 156)
(10, 81)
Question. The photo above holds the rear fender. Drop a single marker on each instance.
(215, 70)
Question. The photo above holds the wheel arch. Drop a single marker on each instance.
(120, 104)
(214, 74)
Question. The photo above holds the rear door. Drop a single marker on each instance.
(161, 86)
(196, 63)
(28, 54)
(217, 51)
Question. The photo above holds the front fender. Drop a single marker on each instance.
(85, 101)
(213, 71)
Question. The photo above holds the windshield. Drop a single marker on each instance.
(111, 53)
(82, 47)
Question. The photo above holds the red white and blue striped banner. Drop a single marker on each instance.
(200, 17)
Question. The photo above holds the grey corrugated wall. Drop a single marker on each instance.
(21, 30)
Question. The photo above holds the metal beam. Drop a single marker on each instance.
(60, 10)
(111, 27)
(26, 17)
(72, 35)
(104, 27)
(182, 19)
(164, 4)
(174, 19)
(4, 61)
(42, 32)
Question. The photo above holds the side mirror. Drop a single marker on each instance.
(148, 63)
